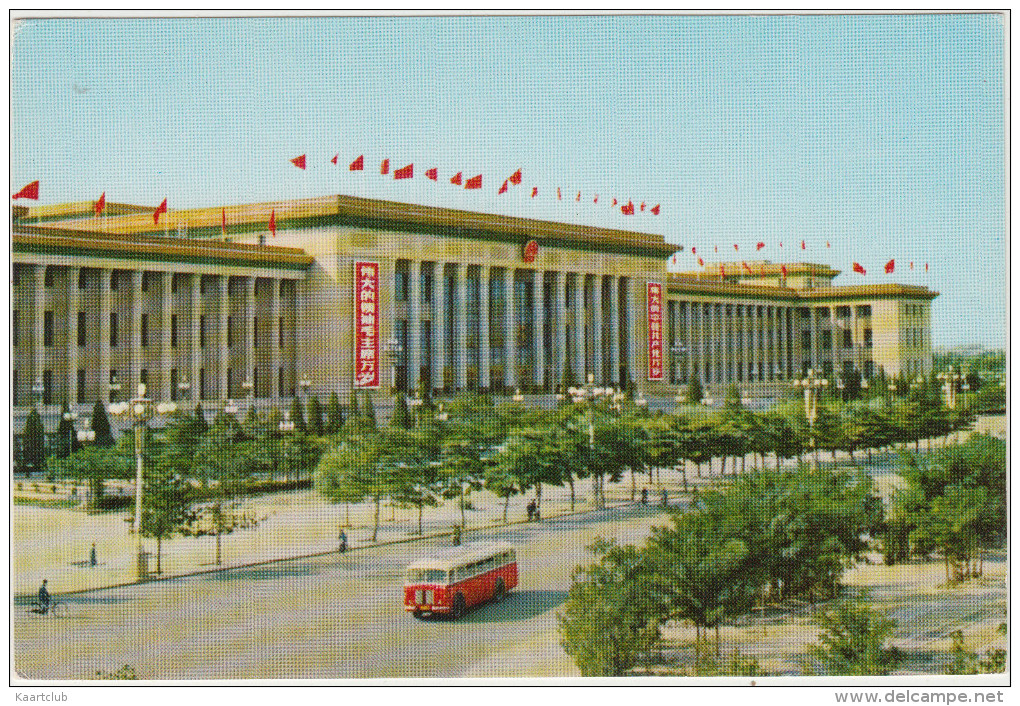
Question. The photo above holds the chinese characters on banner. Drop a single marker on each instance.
(366, 324)
(655, 331)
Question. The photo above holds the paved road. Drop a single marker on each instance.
(326, 617)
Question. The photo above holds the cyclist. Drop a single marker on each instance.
(44, 598)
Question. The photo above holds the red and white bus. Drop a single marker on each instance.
(453, 581)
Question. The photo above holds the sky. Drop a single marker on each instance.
(881, 135)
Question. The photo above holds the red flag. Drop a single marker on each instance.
(747, 267)
(926, 267)
(890, 266)
(384, 168)
(335, 158)
(534, 191)
(722, 271)
(159, 209)
(298, 162)
(780, 243)
(455, 179)
(559, 194)
(736, 247)
(29, 192)
(615, 202)
(596, 199)
(717, 248)
(642, 205)
(515, 178)
(674, 259)
(432, 174)
(404, 172)
(783, 268)
(101, 204)
(502, 189)
(578, 196)
(223, 221)
(272, 222)
(859, 269)
(694, 250)
(358, 164)
(655, 209)
(911, 265)
(628, 210)
(759, 246)
(827, 244)
(803, 245)
(474, 182)
(701, 262)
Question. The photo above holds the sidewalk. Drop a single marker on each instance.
(54, 543)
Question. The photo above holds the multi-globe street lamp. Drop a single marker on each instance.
(950, 381)
(70, 417)
(812, 385)
(591, 394)
(139, 411)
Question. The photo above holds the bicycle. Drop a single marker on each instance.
(58, 609)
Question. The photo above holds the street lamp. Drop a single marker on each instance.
(70, 416)
(229, 407)
(812, 385)
(86, 433)
(249, 391)
(950, 380)
(591, 394)
(183, 386)
(840, 385)
(139, 411)
(304, 383)
(394, 348)
(38, 389)
(114, 387)
(518, 398)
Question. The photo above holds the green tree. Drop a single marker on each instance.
(852, 641)
(334, 415)
(101, 425)
(93, 466)
(315, 424)
(33, 455)
(370, 410)
(610, 619)
(340, 478)
(695, 393)
(297, 415)
(413, 457)
(201, 423)
(65, 440)
(167, 507)
(401, 418)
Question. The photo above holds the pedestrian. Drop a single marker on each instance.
(644, 496)
(531, 510)
(665, 498)
(342, 541)
(92, 555)
(44, 598)
(538, 512)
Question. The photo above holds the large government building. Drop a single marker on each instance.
(266, 301)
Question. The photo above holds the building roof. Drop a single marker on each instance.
(347, 211)
(49, 240)
(765, 268)
(698, 284)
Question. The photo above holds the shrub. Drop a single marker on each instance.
(852, 639)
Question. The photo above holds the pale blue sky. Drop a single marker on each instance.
(880, 134)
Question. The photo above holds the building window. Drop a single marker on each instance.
(869, 368)
(230, 331)
(805, 312)
(826, 340)
(279, 380)
(847, 338)
(82, 329)
(113, 280)
(230, 380)
(867, 338)
(864, 310)
(81, 384)
(82, 278)
(174, 279)
(202, 385)
(201, 331)
(14, 328)
(426, 283)
(47, 381)
(143, 377)
(400, 281)
(805, 339)
(113, 329)
(255, 381)
(173, 384)
(255, 332)
(47, 328)
(114, 385)
(843, 312)
(145, 330)
(173, 330)
(48, 277)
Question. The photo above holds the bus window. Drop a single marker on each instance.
(426, 576)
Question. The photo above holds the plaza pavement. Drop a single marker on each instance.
(55, 543)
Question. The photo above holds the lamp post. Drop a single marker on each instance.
(86, 433)
(590, 395)
(518, 398)
(139, 411)
(38, 390)
(183, 387)
(413, 404)
(812, 385)
(114, 387)
(950, 381)
(249, 391)
(70, 416)
(304, 383)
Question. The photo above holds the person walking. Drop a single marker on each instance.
(342, 541)
(644, 496)
(531, 510)
(92, 555)
(665, 498)
(44, 598)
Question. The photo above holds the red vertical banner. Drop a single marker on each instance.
(366, 324)
(655, 331)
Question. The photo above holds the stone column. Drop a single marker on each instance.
(438, 326)
(460, 297)
(538, 300)
(135, 338)
(104, 334)
(221, 331)
(756, 342)
(273, 332)
(72, 335)
(166, 354)
(484, 350)
(596, 330)
(510, 368)
(632, 319)
(580, 357)
(815, 343)
(249, 334)
(38, 316)
(559, 337)
(414, 326)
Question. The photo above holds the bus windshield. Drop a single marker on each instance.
(426, 576)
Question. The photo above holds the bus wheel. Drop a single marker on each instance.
(458, 606)
(417, 614)
(500, 593)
